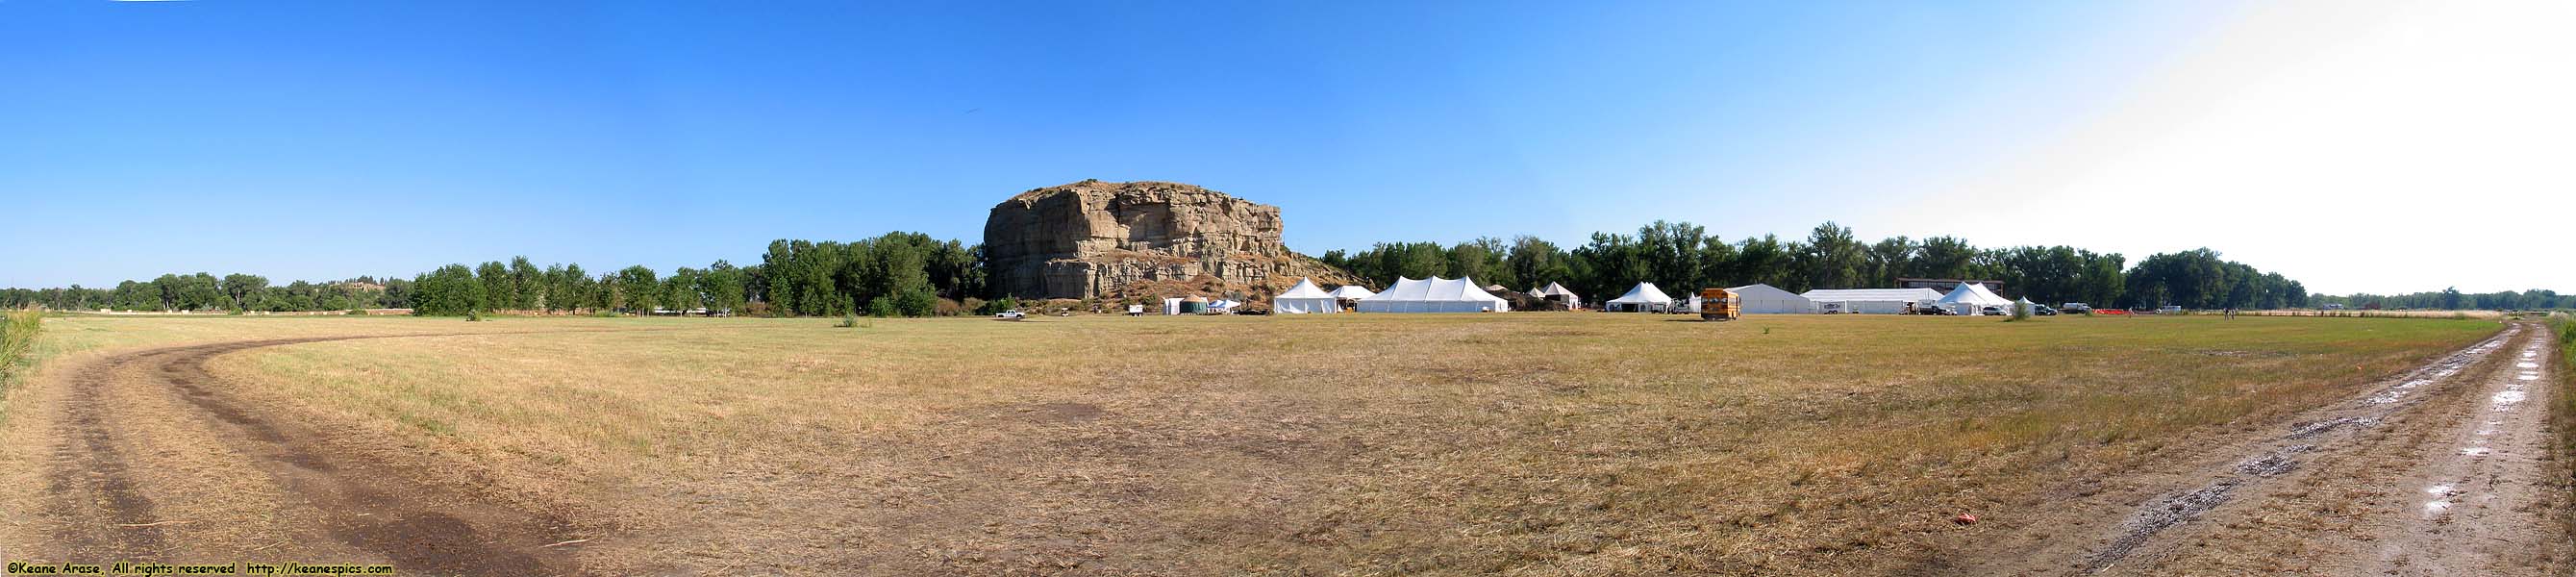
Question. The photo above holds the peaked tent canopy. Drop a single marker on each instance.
(1644, 297)
(1305, 298)
(1558, 291)
(1352, 291)
(1433, 295)
(1973, 295)
(1767, 299)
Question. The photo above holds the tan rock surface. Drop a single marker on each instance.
(1119, 239)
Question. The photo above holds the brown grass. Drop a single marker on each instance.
(1537, 444)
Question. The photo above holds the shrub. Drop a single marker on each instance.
(17, 335)
(882, 307)
(847, 321)
(474, 316)
(356, 312)
(996, 307)
(949, 308)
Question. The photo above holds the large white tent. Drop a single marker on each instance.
(1645, 297)
(1352, 292)
(1971, 296)
(1433, 295)
(1304, 298)
(1767, 299)
(1873, 301)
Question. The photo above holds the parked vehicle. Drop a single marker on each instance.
(2077, 308)
(2043, 310)
(1992, 310)
(2169, 310)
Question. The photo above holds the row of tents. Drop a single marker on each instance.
(1432, 295)
(1460, 295)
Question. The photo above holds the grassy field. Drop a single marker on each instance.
(1539, 444)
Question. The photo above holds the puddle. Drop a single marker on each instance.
(2505, 398)
(2476, 451)
(2442, 489)
(2436, 507)
(2305, 430)
(2276, 463)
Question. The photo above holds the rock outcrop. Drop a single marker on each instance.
(1130, 239)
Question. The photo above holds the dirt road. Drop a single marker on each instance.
(2440, 471)
(158, 459)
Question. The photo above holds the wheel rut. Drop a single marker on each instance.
(343, 500)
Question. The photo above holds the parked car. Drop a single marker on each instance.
(2077, 308)
(1992, 310)
(1934, 310)
(2042, 310)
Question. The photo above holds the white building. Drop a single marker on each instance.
(1871, 301)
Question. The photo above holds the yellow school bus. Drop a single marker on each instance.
(1716, 304)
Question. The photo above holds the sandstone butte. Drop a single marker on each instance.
(1134, 240)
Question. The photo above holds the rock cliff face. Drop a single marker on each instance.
(1123, 239)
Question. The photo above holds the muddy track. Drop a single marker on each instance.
(110, 498)
(2342, 490)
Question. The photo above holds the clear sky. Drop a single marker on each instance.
(2357, 146)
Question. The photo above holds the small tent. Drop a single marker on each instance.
(1767, 299)
(1304, 298)
(1433, 295)
(1558, 292)
(1645, 297)
(1352, 292)
(1972, 296)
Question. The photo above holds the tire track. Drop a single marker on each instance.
(370, 504)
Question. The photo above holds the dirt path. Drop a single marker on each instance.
(2440, 471)
(156, 458)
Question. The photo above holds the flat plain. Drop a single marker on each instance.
(1524, 443)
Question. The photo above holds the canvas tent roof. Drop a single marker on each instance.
(1920, 295)
(1766, 299)
(1973, 294)
(1644, 293)
(1434, 294)
(1352, 291)
(1305, 298)
(1305, 289)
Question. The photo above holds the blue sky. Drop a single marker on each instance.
(317, 140)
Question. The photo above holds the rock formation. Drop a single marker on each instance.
(1131, 239)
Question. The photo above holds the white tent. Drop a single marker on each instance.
(1558, 290)
(1433, 295)
(1971, 298)
(1767, 299)
(1352, 291)
(1645, 297)
(1304, 298)
(1873, 301)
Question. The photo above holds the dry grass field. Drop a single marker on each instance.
(1530, 444)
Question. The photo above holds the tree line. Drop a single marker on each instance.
(913, 274)
(2452, 299)
(1680, 256)
(206, 292)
